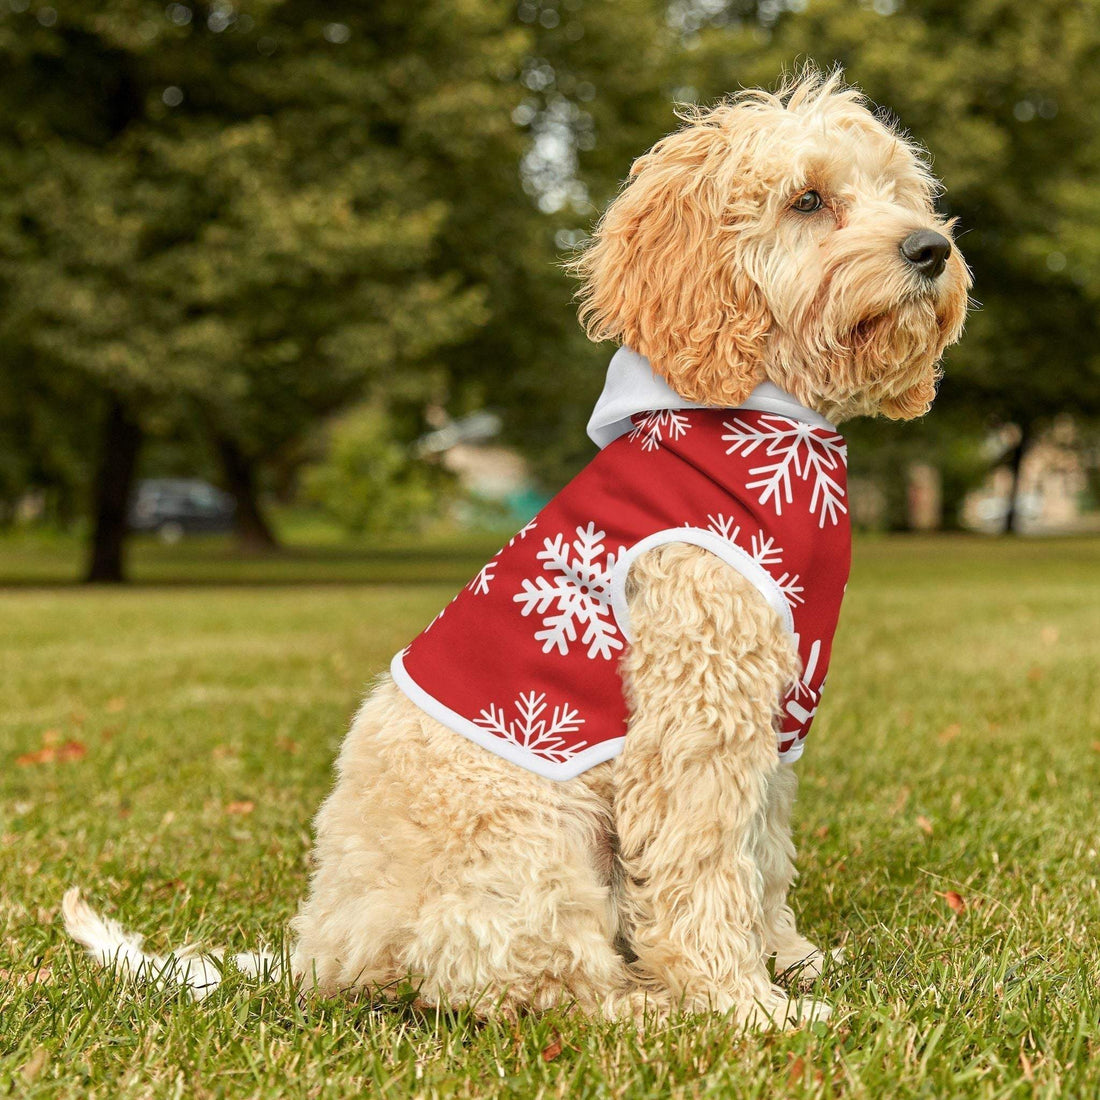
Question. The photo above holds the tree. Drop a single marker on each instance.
(43, 445)
(367, 483)
(211, 216)
(247, 218)
(250, 218)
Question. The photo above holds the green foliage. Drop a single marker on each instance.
(370, 482)
(251, 217)
(948, 439)
(246, 218)
(46, 434)
(591, 94)
(239, 226)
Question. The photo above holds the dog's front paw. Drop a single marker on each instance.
(779, 1009)
(804, 963)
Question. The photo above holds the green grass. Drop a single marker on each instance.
(958, 749)
(36, 559)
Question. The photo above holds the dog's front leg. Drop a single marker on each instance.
(704, 676)
(795, 957)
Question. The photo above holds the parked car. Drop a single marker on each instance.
(173, 507)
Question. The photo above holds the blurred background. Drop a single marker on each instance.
(286, 274)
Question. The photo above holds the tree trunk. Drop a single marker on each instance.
(114, 478)
(1012, 512)
(254, 534)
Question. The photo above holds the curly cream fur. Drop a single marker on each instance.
(437, 861)
(657, 881)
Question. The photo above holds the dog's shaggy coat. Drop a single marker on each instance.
(762, 241)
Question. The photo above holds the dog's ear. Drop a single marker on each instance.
(665, 274)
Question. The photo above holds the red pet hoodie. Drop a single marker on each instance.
(524, 660)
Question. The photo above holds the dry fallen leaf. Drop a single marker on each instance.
(822, 832)
(242, 807)
(955, 902)
(924, 824)
(48, 754)
(43, 975)
(949, 733)
(552, 1051)
(796, 1072)
(40, 756)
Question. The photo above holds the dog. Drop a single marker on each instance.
(772, 268)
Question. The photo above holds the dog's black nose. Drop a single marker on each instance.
(927, 251)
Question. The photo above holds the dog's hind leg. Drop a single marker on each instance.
(483, 884)
(704, 677)
(517, 913)
(369, 856)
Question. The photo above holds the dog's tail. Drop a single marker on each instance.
(113, 947)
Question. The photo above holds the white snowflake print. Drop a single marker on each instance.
(653, 428)
(798, 452)
(763, 550)
(441, 613)
(577, 592)
(479, 586)
(523, 532)
(802, 700)
(533, 732)
(724, 526)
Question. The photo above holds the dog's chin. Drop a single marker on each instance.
(894, 357)
(883, 363)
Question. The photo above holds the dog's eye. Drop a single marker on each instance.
(807, 203)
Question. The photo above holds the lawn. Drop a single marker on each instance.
(165, 745)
